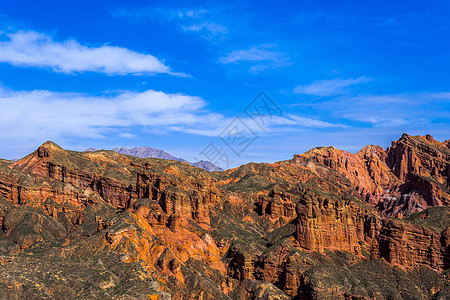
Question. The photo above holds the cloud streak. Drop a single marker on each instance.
(405, 112)
(36, 114)
(329, 87)
(198, 21)
(40, 114)
(33, 49)
(260, 57)
(209, 30)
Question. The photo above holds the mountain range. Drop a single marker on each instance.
(147, 152)
(325, 224)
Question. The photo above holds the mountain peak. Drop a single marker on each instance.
(143, 152)
(405, 135)
(148, 152)
(429, 138)
(51, 144)
(107, 206)
(48, 148)
(207, 165)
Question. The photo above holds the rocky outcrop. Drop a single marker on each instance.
(373, 279)
(409, 245)
(278, 206)
(366, 170)
(310, 228)
(409, 176)
(342, 225)
(324, 223)
(184, 198)
(254, 290)
(422, 155)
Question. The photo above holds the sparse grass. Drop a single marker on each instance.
(280, 233)
(435, 218)
(56, 278)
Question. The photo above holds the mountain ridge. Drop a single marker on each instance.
(148, 152)
(326, 224)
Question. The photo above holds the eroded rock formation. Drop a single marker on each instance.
(327, 223)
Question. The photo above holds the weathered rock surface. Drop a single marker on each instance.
(320, 226)
(409, 176)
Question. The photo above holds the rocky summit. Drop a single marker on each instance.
(326, 224)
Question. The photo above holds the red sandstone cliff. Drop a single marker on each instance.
(309, 228)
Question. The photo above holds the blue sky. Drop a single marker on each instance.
(175, 75)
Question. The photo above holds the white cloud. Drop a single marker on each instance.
(127, 135)
(159, 13)
(329, 87)
(29, 115)
(209, 30)
(33, 49)
(198, 20)
(387, 111)
(402, 111)
(194, 13)
(189, 13)
(273, 125)
(254, 54)
(259, 57)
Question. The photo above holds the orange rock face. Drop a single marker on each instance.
(366, 170)
(305, 228)
(421, 155)
(408, 177)
(324, 223)
(407, 245)
(341, 225)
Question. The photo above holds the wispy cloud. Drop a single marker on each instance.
(33, 49)
(329, 87)
(191, 13)
(313, 123)
(403, 111)
(260, 57)
(208, 30)
(151, 12)
(195, 20)
(35, 115)
(127, 135)
(387, 111)
(255, 53)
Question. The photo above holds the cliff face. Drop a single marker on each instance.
(409, 245)
(421, 155)
(423, 164)
(332, 224)
(408, 177)
(314, 227)
(324, 224)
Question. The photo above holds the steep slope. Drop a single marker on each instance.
(408, 177)
(422, 155)
(366, 169)
(309, 228)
